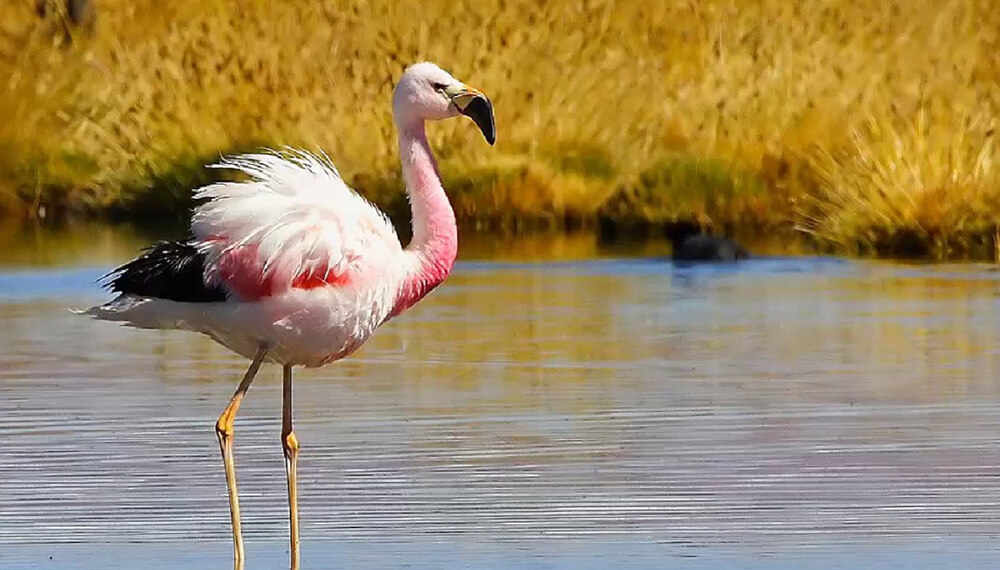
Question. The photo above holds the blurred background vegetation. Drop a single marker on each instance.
(867, 125)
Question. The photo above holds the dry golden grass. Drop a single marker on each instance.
(866, 123)
(910, 185)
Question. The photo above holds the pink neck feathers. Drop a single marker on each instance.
(435, 235)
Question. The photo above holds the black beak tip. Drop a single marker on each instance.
(480, 110)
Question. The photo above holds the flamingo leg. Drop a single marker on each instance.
(224, 429)
(290, 444)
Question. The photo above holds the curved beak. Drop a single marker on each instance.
(473, 104)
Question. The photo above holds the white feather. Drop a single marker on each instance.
(296, 213)
(293, 216)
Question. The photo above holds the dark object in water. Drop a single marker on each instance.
(690, 243)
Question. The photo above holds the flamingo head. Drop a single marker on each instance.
(427, 92)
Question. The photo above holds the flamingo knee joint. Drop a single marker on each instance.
(290, 443)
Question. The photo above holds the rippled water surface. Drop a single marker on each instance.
(553, 405)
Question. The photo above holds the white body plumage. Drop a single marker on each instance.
(295, 218)
(295, 261)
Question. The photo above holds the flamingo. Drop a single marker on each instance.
(293, 267)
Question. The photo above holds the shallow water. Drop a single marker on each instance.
(553, 405)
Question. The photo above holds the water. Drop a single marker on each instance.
(554, 405)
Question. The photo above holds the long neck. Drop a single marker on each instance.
(431, 253)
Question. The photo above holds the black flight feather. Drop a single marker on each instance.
(166, 270)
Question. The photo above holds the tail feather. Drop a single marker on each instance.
(141, 312)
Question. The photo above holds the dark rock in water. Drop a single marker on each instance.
(708, 248)
(690, 243)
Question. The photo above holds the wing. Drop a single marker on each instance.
(166, 270)
(293, 224)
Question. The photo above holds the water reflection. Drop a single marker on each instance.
(801, 402)
(23, 244)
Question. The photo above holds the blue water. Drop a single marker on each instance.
(449, 552)
(786, 412)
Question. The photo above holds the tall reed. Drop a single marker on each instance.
(868, 124)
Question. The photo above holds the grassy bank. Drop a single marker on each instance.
(868, 125)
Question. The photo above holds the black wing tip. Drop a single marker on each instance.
(171, 270)
(110, 279)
